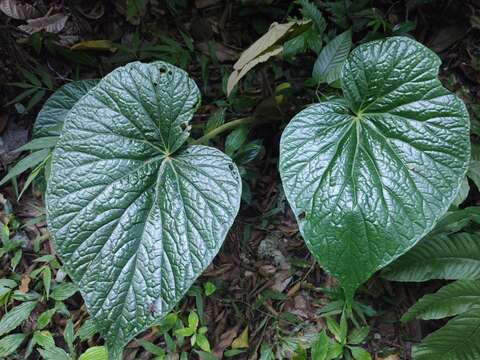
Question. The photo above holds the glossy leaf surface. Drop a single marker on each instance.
(369, 175)
(136, 215)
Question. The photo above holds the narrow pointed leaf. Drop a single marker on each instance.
(445, 257)
(328, 66)
(369, 176)
(458, 339)
(16, 316)
(456, 220)
(135, 214)
(26, 163)
(39, 143)
(450, 300)
(320, 347)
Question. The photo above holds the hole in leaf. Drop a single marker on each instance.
(163, 70)
(152, 308)
(301, 215)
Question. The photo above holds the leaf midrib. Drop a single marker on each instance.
(131, 274)
(466, 340)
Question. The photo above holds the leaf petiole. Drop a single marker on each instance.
(227, 126)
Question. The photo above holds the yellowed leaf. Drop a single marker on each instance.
(270, 44)
(270, 38)
(241, 342)
(236, 75)
(95, 45)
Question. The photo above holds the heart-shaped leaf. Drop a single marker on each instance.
(369, 175)
(136, 215)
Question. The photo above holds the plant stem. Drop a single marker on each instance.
(227, 126)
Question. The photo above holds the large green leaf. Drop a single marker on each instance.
(136, 215)
(458, 340)
(450, 300)
(448, 257)
(369, 176)
(50, 119)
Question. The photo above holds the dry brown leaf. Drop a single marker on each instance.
(95, 45)
(270, 44)
(281, 280)
(24, 285)
(267, 270)
(275, 33)
(300, 307)
(294, 289)
(225, 341)
(52, 24)
(18, 10)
